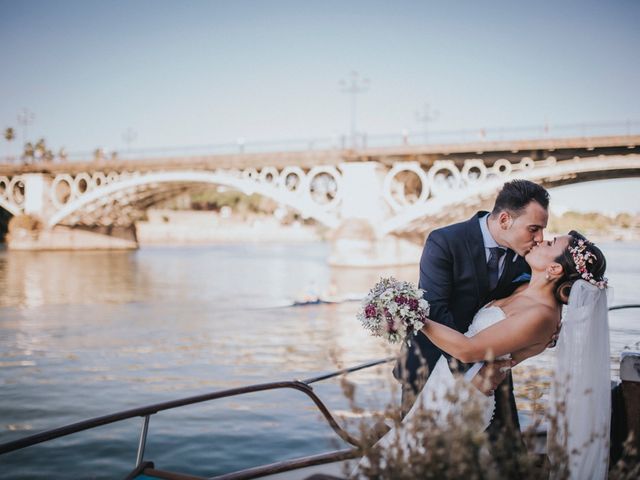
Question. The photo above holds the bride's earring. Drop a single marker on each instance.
(547, 277)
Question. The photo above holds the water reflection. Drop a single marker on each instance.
(360, 280)
(33, 279)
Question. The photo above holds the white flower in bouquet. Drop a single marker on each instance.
(394, 310)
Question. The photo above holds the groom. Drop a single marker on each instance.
(463, 267)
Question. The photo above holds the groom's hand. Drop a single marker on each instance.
(491, 375)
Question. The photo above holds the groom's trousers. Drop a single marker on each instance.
(505, 419)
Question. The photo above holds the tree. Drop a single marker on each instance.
(40, 149)
(28, 153)
(9, 136)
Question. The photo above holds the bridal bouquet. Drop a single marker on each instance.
(394, 310)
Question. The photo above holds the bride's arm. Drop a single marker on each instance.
(506, 336)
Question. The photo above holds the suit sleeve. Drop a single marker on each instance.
(436, 278)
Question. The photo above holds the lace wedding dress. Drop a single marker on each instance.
(436, 396)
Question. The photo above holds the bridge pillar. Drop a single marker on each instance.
(357, 241)
(34, 190)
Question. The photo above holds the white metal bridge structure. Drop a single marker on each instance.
(378, 203)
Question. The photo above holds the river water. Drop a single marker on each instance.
(86, 334)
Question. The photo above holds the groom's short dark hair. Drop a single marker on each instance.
(517, 194)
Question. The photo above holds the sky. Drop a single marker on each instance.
(189, 73)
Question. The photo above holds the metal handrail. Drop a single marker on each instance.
(286, 465)
(628, 305)
(147, 411)
(143, 440)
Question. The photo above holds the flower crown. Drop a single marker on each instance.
(582, 257)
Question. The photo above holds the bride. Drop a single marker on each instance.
(566, 269)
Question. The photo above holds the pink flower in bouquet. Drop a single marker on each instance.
(370, 311)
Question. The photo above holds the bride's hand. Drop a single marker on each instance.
(491, 375)
(554, 338)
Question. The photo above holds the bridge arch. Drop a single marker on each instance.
(296, 200)
(12, 194)
(550, 174)
(10, 207)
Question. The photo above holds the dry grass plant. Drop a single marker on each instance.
(456, 447)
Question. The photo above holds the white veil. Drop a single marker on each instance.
(581, 389)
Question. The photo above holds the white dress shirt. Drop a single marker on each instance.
(489, 242)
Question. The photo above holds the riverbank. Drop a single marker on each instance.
(190, 227)
(195, 227)
(599, 227)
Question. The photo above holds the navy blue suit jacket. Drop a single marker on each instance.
(453, 273)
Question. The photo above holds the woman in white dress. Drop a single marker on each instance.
(519, 327)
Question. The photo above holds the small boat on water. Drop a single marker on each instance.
(625, 420)
(313, 300)
(327, 300)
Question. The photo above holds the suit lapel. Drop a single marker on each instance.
(475, 245)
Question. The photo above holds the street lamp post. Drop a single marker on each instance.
(129, 136)
(353, 87)
(425, 116)
(25, 118)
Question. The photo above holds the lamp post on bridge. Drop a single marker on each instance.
(25, 118)
(353, 87)
(425, 116)
(129, 136)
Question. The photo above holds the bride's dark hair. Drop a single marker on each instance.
(570, 269)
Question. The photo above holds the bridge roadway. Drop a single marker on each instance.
(426, 155)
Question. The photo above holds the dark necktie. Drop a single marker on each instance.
(493, 266)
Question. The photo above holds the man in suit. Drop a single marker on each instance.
(463, 267)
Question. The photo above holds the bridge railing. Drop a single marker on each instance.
(497, 134)
(361, 140)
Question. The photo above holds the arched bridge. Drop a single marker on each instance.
(378, 204)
